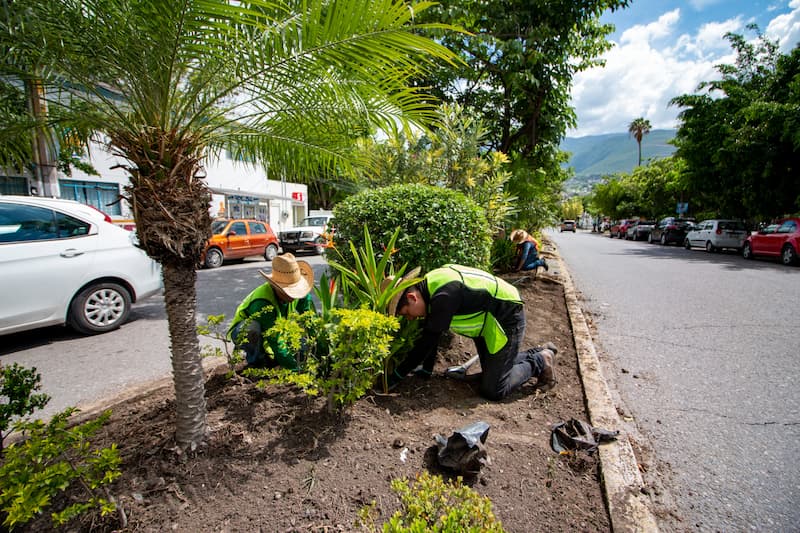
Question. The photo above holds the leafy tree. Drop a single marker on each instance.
(739, 136)
(450, 156)
(572, 208)
(169, 84)
(519, 61)
(639, 127)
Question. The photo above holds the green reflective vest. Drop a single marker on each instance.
(482, 323)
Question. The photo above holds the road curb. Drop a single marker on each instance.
(628, 507)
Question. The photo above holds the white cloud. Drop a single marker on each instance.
(786, 28)
(652, 64)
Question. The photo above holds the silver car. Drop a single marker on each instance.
(716, 234)
(63, 262)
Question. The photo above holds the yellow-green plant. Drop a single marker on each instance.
(338, 357)
(371, 281)
(432, 505)
(52, 458)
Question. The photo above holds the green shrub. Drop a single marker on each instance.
(17, 400)
(433, 505)
(437, 226)
(52, 458)
(339, 357)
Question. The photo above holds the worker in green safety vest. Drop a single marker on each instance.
(286, 291)
(476, 304)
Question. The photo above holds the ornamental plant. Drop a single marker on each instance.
(52, 459)
(430, 504)
(337, 358)
(17, 386)
(371, 280)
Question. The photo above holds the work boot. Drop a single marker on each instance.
(550, 346)
(547, 378)
(545, 265)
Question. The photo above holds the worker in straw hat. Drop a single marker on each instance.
(527, 257)
(476, 304)
(287, 290)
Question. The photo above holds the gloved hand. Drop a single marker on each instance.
(422, 372)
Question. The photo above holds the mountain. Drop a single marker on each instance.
(595, 156)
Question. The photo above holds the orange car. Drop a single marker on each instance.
(237, 239)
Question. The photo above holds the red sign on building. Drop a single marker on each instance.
(297, 196)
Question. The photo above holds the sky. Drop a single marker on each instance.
(665, 48)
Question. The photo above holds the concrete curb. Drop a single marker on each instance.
(622, 483)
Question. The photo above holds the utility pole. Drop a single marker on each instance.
(45, 168)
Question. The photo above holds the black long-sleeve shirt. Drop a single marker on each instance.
(453, 298)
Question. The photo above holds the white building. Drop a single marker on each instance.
(240, 190)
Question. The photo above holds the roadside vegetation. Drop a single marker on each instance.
(738, 146)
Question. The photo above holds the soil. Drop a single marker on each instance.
(277, 462)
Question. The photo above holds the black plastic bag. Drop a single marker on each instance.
(576, 434)
(464, 450)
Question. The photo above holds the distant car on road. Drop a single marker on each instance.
(237, 239)
(670, 229)
(778, 240)
(63, 262)
(714, 235)
(568, 225)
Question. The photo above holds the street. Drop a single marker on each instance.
(701, 350)
(80, 370)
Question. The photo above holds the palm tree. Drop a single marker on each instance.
(170, 83)
(639, 127)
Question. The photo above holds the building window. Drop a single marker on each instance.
(14, 185)
(103, 196)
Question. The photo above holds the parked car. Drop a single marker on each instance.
(616, 229)
(310, 236)
(778, 240)
(568, 225)
(239, 238)
(670, 229)
(624, 225)
(716, 235)
(639, 230)
(63, 262)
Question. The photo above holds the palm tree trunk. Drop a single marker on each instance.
(640, 153)
(190, 403)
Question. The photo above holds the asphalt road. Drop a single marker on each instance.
(703, 351)
(79, 371)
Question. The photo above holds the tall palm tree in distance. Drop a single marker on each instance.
(167, 84)
(639, 127)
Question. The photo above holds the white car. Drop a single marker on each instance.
(716, 235)
(309, 236)
(63, 262)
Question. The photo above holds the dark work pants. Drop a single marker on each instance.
(506, 370)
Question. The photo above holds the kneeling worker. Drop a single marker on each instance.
(476, 304)
(287, 291)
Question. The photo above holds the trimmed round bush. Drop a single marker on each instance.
(437, 226)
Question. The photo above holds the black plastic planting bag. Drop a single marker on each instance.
(576, 434)
(463, 451)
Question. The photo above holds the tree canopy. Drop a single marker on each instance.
(740, 136)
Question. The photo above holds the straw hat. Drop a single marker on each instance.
(392, 307)
(290, 277)
(519, 235)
